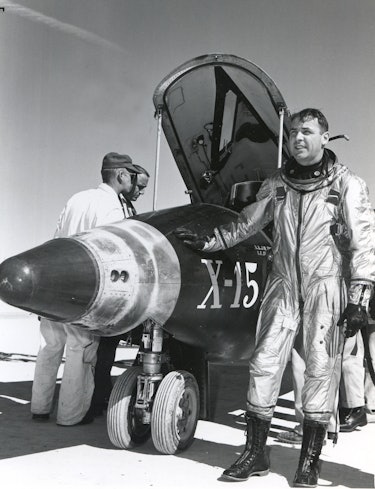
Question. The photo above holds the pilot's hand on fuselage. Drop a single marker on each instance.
(356, 318)
(191, 239)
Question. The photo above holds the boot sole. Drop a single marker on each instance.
(296, 484)
(352, 428)
(238, 479)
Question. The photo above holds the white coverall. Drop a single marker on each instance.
(305, 288)
(83, 211)
(357, 388)
(352, 386)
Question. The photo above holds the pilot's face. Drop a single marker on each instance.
(139, 190)
(306, 141)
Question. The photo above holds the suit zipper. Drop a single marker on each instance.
(298, 264)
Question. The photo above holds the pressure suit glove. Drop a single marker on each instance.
(191, 239)
(355, 313)
(356, 318)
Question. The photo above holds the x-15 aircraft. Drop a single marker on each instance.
(226, 124)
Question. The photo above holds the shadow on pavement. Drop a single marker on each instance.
(284, 461)
(22, 436)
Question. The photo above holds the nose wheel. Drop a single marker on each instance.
(175, 412)
(125, 427)
(174, 416)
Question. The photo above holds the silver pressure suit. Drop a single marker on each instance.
(319, 225)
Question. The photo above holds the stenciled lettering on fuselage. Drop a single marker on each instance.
(262, 250)
(212, 299)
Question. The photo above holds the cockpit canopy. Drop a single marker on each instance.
(220, 115)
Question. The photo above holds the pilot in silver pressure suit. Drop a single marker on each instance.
(323, 223)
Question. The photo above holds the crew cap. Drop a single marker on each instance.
(115, 160)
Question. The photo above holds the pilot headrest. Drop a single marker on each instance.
(115, 160)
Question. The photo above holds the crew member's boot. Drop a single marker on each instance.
(307, 474)
(352, 418)
(254, 459)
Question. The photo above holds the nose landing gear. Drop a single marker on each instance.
(144, 401)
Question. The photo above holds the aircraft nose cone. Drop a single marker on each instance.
(57, 280)
(16, 284)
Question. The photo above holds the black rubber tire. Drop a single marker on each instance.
(124, 430)
(175, 412)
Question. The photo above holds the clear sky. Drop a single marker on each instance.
(77, 79)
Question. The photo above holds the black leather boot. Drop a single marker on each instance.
(254, 459)
(307, 474)
(355, 417)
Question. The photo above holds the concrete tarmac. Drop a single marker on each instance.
(41, 455)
